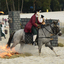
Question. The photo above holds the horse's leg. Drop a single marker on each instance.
(14, 44)
(16, 40)
(10, 39)
(51, 47)
(21, 46)
(22, 42)
(39, 46)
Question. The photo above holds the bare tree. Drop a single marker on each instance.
(22, 6)
(34, 2)
(18, 5)
(7, 5)
(13, 6)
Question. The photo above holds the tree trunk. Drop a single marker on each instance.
(13, 6)
(18, 5)
(34, 5)
(7, 5)
(22, 6)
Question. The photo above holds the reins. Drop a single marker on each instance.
(44, 32)
(48, 30)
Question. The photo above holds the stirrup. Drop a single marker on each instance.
(34, 43)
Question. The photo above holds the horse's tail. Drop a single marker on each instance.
(10, 39)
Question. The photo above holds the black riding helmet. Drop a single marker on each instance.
(42, 16)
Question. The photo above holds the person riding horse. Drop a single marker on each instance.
(32, 25)
(43, 37)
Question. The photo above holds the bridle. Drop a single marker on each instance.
(48, 31)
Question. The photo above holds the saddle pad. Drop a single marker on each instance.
(28, 38)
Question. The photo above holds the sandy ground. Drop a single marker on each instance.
(47, 56)
(61, 40)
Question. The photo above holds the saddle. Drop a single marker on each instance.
(29, 38)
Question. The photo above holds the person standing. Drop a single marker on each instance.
(2, 32)
(3, 25)
(5, 22)
(32, 25)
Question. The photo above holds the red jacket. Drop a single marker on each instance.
(30, 24)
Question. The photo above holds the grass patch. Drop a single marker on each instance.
(60, 45)
(17, 55)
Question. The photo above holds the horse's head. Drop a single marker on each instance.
(56, 30)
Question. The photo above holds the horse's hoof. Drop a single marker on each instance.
(7, 47)
(10, 47)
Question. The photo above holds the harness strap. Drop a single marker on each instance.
(48, 30)
(45, 34)
(44, 37)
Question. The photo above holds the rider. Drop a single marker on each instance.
(32, 25)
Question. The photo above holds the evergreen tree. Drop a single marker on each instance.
(31, 5)
(55, 5)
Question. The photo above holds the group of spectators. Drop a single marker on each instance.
(3, 23)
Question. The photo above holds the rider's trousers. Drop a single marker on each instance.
(34, 31)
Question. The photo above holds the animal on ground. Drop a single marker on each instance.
(43, 36)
